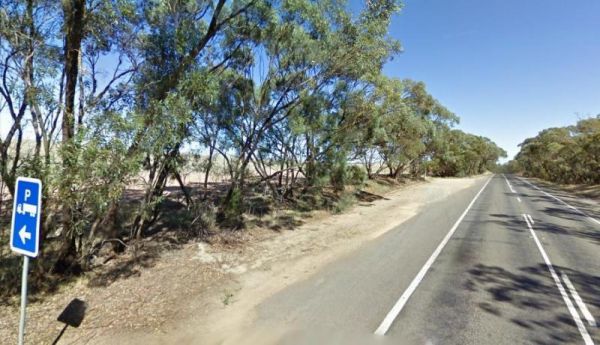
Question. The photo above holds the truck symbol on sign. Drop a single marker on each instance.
(27, 208)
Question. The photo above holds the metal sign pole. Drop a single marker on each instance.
(23, 298)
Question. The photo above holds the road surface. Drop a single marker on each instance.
(499, 263)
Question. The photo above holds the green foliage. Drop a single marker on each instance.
(356, 175)
(338, 175)
(232, 207)
(565, 154)
(100, 171)
(344, 202)
(282, 97)
(463, 154)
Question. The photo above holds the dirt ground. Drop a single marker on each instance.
(206, 294)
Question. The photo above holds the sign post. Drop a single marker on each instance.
(25, 232)
(23, 298)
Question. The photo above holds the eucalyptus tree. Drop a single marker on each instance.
(98, 60)
(464, 154)
(185, 43)
(404, 125)
(586, 164)
(542, 156)
(29, 61)
(435, 118)
(563, 154)
(115, 92)
(50, 52)
(305, 49)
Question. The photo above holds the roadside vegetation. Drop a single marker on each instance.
(565, 155)
(114, 104)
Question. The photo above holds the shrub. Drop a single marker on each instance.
(204, 219)
(345, 201)
(338, 175)
(231, 210)
(356, 175)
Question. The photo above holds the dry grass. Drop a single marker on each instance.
(166, 277)
(176, 227)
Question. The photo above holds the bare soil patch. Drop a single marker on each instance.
(203, 293)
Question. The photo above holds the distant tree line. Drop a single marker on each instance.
(569, 155)
(289, 94)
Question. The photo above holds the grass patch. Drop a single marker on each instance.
(345, 201)
(228, 298)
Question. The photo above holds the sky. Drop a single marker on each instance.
(508, 68)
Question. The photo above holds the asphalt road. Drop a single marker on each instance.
(499, 263)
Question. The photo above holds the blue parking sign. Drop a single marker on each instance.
(25, 231)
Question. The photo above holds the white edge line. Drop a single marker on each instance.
(397, 308)
(584, 309)
(561, 201)
(519, 199)
(508, 183)
(531, 219)
(582, 330)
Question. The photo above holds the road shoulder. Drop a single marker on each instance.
(586, 197)
(206, 290)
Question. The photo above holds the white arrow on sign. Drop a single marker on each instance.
(24, 234)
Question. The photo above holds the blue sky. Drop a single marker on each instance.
(508, 68)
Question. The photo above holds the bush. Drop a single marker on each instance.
(338, 176)
(204, 219)
(356, 175)
(231, 210)
(345, 201)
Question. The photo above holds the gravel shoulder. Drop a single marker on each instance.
(202, 293)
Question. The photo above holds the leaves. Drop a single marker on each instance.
(288, 94)
(564, 154)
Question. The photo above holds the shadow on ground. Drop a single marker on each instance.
(552, 222)
(176, 224)
(532, 290)
(585, 198)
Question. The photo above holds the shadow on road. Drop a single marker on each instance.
(590, 206)
(531, 290)
(551, 223)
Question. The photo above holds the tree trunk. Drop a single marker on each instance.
(74, 14)
(186, 193)
(211, 152)
(397, 171)
(368, 167)
(311, 169)
(231, 209)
